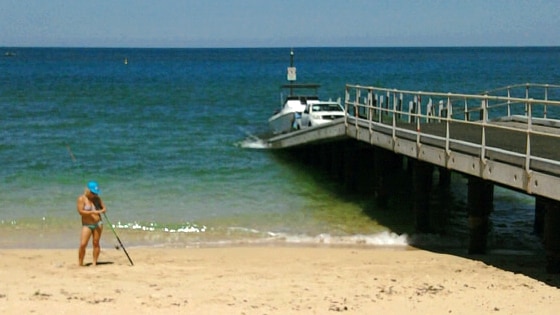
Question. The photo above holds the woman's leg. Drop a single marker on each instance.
(84, 239)
(96, 246)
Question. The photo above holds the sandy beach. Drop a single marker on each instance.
(274, 280)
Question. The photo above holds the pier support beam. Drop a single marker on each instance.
(479, 205)
(552, 234)
(422, 178)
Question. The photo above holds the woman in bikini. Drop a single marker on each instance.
(90, 207)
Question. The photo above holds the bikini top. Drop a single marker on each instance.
(89, 206)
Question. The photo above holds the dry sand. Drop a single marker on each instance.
(274, 280)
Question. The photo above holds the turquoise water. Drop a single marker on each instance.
(173, 139)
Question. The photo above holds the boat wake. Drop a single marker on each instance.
(252, 142)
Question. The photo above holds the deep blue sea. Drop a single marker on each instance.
(172, 136)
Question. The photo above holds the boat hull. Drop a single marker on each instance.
(282, 122)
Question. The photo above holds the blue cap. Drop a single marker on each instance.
(93, 187)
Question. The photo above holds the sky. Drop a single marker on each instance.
(278, 23)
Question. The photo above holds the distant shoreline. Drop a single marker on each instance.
(278, 47)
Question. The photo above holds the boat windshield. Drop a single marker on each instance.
(327, 108)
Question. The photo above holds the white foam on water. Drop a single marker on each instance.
(186, 228)
(242, 235)
(385, 238)
(252, 142)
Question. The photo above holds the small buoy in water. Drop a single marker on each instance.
(125, 61)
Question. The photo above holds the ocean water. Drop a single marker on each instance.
(174, 137)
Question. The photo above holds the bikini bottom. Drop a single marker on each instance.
(94, 226)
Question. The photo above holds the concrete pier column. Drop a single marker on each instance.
(382, 160)
(538, 225)
(389, 171)
(370, 179)
(303, 154)
(324, 156)
(350, 167)
(408, 165)
(443, 199)
(422, 178)
(363, 174)
(479, 205)
(336, 160)
(444, 177)
(552, 235)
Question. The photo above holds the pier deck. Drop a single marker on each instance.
(467, 133)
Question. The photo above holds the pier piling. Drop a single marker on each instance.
(350, 167)
(479, 205)
(380, 164)
(444, 177)
(552, 235)
(422, 178)
(538, 225)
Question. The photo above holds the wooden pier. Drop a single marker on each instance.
(508, 137)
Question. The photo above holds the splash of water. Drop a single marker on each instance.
(252, 142)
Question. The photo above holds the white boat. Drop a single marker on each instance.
(294, 103)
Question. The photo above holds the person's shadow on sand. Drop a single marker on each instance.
(99, 263)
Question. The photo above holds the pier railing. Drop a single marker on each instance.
(518, 125)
